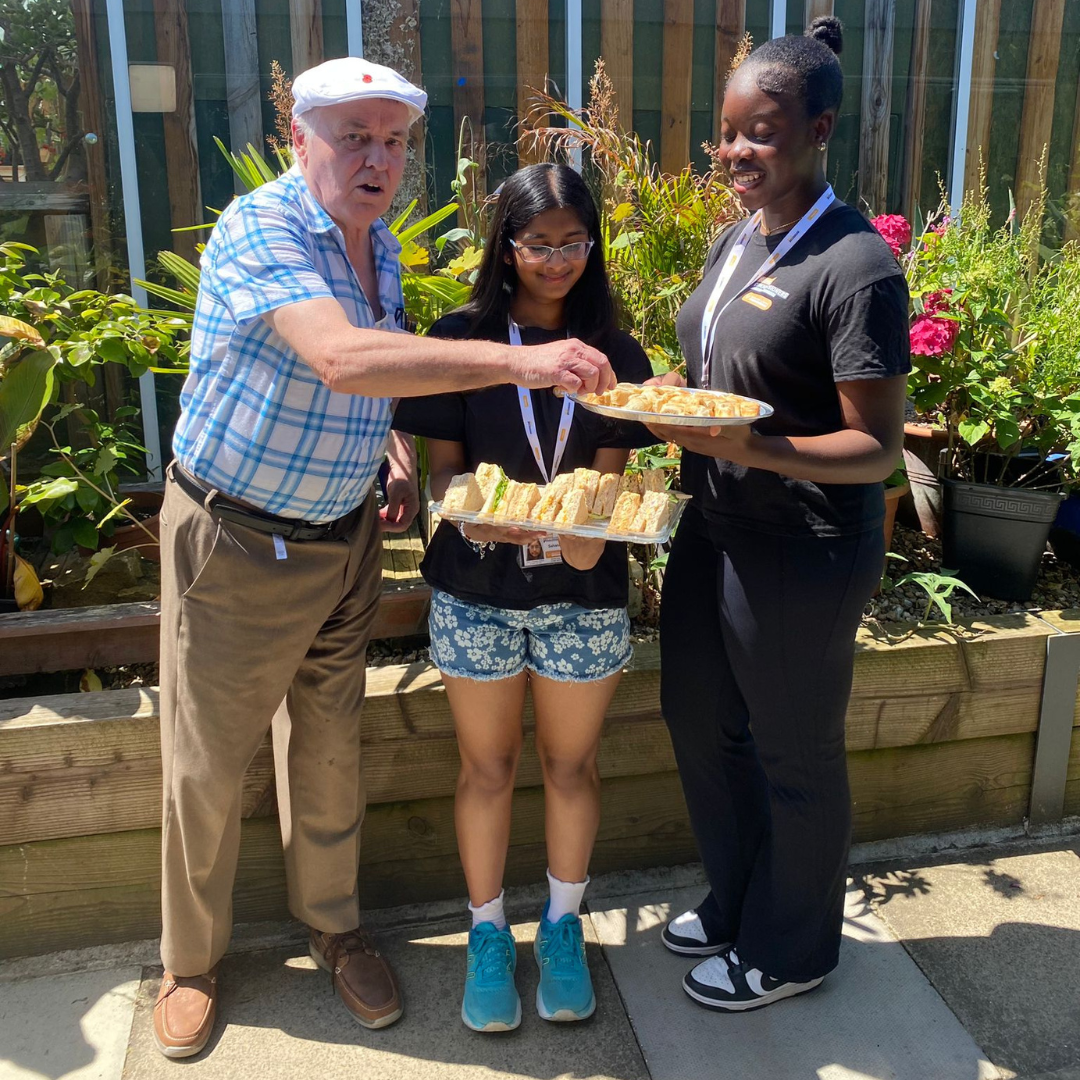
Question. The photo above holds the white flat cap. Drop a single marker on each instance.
(349, 79)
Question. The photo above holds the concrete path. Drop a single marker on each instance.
(965, 968)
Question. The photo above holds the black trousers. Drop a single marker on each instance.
(756, 637)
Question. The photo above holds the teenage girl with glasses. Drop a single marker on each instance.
(512, 608)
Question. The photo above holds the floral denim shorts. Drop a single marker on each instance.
(564, 642)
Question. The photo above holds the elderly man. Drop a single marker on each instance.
(270, 532)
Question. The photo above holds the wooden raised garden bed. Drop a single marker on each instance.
(113, 634)
(941, 735)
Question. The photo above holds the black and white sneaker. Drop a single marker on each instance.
(723, 982)
(687, 936)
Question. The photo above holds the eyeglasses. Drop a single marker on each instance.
(538, 253)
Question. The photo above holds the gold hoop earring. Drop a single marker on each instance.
(823, 146)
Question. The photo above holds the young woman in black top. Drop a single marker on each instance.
(511, 611)
(782, 546)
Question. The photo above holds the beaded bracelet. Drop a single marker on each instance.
(481, 546)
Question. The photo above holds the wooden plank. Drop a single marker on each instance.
(106, 779)
(983, 66)
(67, 894)
(817, 8)
(92, 110)
(73, 638)
(730, 28)
(1072, 206)
(675, 89)
(617, 49)
(181, 156)
(242, 79)
(880, 21)
(532, 69)
(874, 723)
(1067, 621)
(630, 806)
(79, 764)
(1072, 782)
(305, 31)
(93, 759)
(78, 892)
(919, 789)
(1044, 51)
(915, 128)
(467, 37)
(998, 653)
(47, 195)
(405, 37)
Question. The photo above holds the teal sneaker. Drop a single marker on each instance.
(491, 1001)
(565, 991)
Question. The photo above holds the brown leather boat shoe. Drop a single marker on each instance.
(360, 975)
(184, 1013)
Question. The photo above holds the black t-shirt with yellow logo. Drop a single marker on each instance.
(834, 310)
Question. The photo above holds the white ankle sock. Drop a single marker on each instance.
(491, 911)
(565, 897)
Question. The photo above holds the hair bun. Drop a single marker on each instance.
(829, 30)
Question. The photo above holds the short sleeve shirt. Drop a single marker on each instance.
(256, 422)
(488, 424)
(835, 309)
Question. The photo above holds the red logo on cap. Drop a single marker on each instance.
(367, 78)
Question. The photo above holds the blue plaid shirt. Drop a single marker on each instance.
(256, 422)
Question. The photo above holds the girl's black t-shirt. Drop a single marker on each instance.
(835, 309)
(488, 423)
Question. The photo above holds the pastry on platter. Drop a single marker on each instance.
(674, 401)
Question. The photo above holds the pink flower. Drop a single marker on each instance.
(942, 225)
(937, 303)
(895, 230)
(933, 337)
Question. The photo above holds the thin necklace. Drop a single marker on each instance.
(779, 228)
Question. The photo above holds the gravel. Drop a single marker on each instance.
(1057, 587)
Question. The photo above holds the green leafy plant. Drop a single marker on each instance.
(78, 493)
(938, 586)
(995, 338)
(658, 227)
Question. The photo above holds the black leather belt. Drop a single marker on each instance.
(222, 508)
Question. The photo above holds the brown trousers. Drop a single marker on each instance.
(250, 641)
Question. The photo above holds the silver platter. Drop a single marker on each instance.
(668, 420)
(597, 531)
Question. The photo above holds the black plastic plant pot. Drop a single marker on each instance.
(994, 537)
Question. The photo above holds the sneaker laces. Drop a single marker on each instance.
(563, 948)
(494, 956)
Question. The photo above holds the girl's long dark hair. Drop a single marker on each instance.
(589, 306)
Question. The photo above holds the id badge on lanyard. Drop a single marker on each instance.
(713, 311)
(545, 551)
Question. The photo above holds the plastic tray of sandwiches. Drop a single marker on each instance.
(634, 507)
(679, 406)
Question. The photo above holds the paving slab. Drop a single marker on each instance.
(875, 1018)
(1000, 940)
(73, 1026)
(280, 1019)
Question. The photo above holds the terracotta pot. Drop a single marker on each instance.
(131, 535)
(923, 444)
(893, 495)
